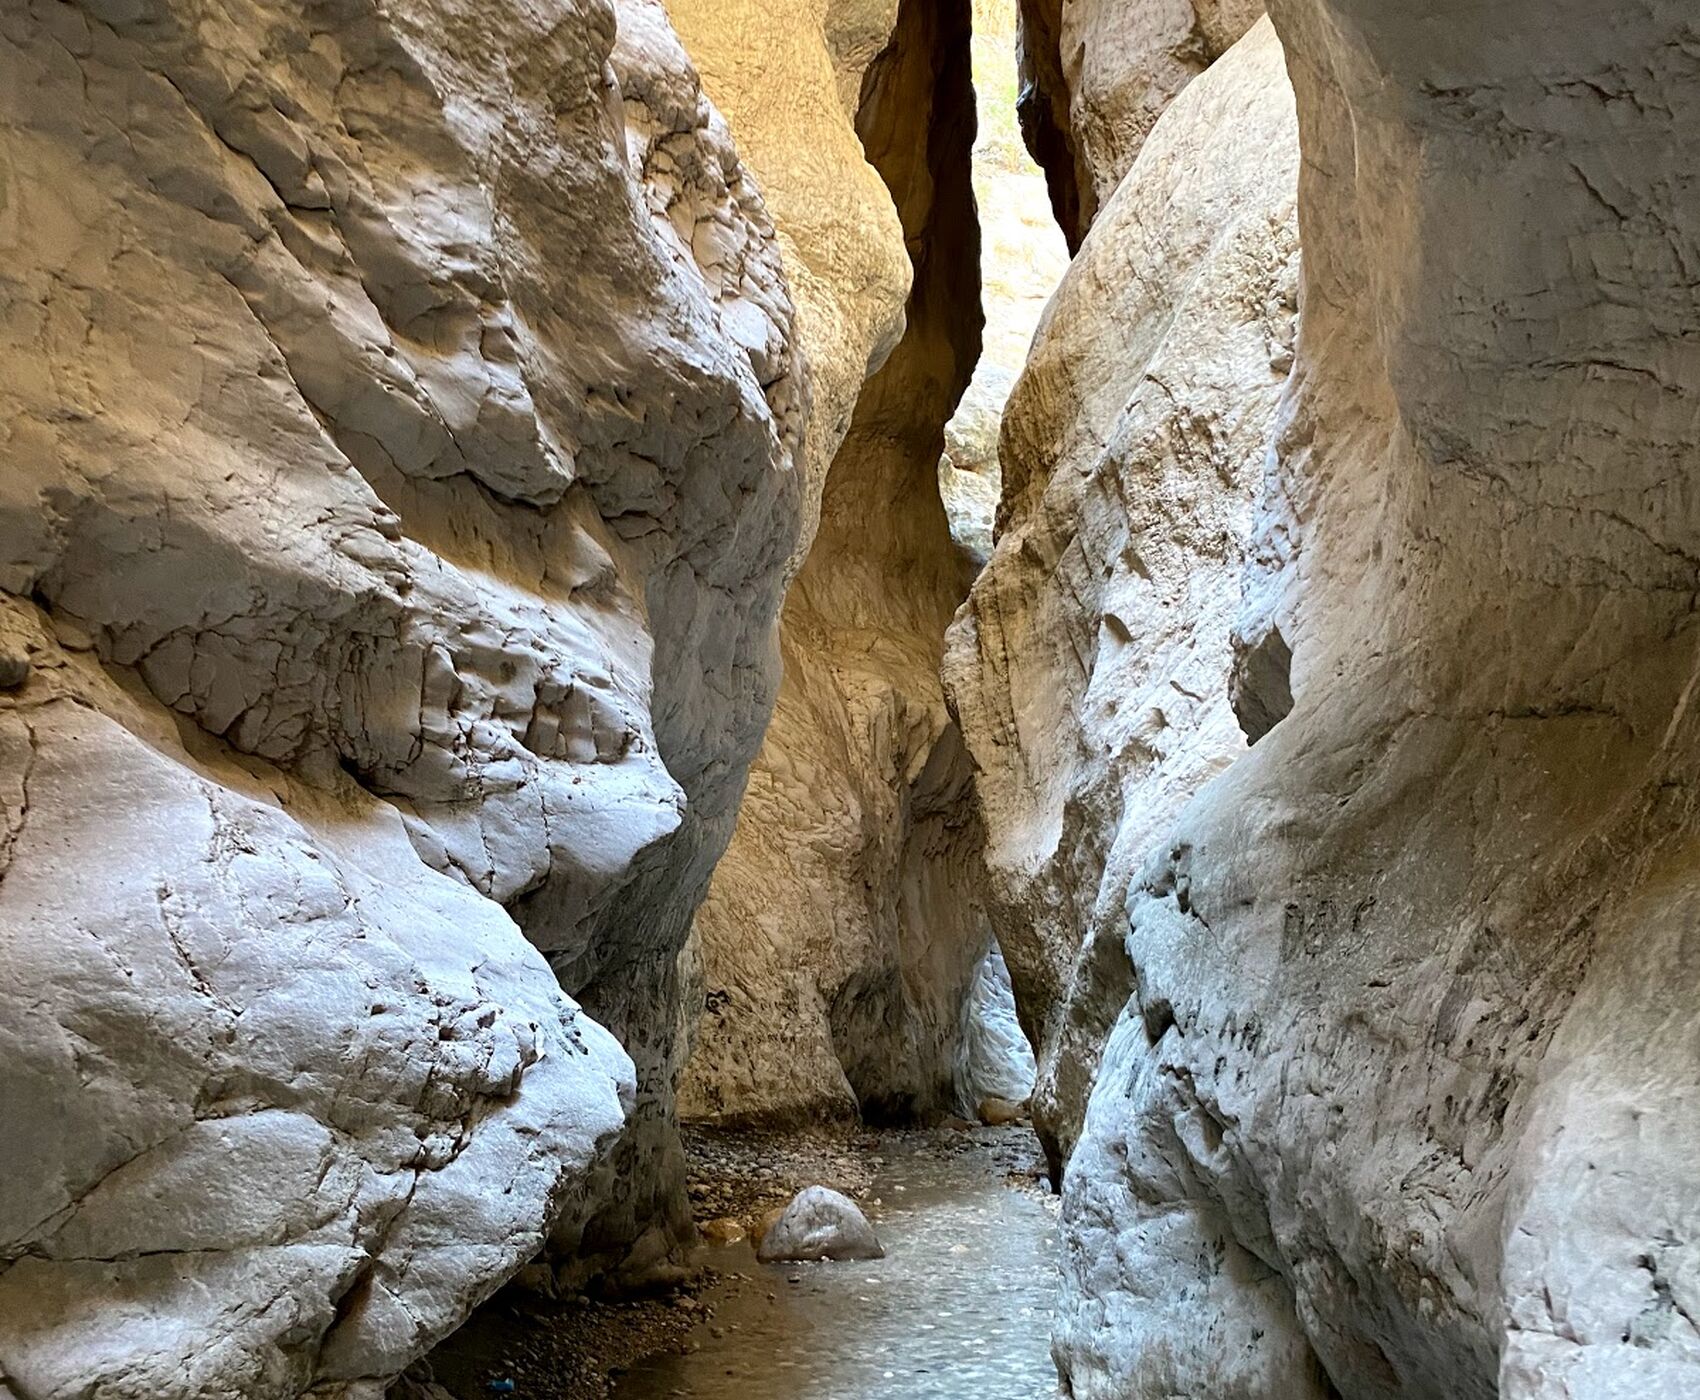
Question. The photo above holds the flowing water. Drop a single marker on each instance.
(959, 1309)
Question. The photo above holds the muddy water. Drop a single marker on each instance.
(959, 1309)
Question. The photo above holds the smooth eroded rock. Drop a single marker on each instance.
(820, 1223)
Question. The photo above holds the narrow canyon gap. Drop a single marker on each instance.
(536, 663)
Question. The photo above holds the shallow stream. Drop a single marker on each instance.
(959, 1309)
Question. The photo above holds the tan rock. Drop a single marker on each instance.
(722, 1231)
(1096, 75)
(843, 925)
(1000, 1113)
(1023, 255)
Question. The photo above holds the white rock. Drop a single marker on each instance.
(409, 401)
(819, 1223)
(1090, 667)
(1405, 1098)
(995, 1060)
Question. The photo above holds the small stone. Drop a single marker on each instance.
(723, 1231)
(1000, 1113)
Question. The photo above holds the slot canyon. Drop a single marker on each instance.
(817, 699)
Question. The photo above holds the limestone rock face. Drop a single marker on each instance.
(402, 415)
(263, 1067)
(1406, 1098)
(844, 923)
(1090, 667)
(994, 1060)
(1096, 75)
(790, 80)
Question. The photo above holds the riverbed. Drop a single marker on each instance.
(959, 1309)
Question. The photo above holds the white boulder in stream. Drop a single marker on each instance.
(820, 1223)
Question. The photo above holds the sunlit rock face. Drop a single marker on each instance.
(1022, 258)
(1406, 1097)
(401, 416)
(993, 1060)
(1090, 667)
(1096, 75)
(844, 924)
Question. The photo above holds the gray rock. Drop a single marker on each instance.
(820, 1223)
(14, 669)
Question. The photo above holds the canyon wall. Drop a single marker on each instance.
(405, 451)
(1022, 258)
(1089, 669)
(842, 929)
(1096, 75)
(1405, 1097)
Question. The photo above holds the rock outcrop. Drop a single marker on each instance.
(844, 924)
(994, 1059)
(1090, 667)
(1096, 75)
(1405, 1099)
(402, 418)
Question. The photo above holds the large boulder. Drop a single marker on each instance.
(283, 1103)
(819, 1223)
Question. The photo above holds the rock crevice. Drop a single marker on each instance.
(843, 926)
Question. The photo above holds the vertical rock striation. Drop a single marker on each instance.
(843, 925)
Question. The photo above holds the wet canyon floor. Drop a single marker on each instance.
(959, 1309)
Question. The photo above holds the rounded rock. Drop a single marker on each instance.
(819, 1224)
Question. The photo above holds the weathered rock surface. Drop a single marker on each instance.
(1090, 667)
(1096, 75)
(262, 1066)
(407, 398)
(844, 923)
(1406, 1098)
(790, 81)
(820, 1223)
